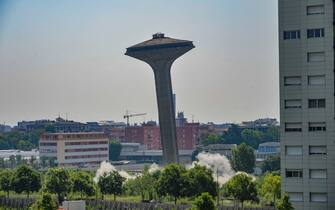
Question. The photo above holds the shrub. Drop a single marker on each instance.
(204, 202)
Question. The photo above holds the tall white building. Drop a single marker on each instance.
(75, 150)
(306, 34)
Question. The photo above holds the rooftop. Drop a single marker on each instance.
(270, 144)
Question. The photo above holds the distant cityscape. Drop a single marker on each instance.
(72, 144)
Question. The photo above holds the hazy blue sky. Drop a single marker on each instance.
(67, 56)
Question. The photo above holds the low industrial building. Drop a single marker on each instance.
(266, 150)
(25, 155)
(222, 149)
(139, 154)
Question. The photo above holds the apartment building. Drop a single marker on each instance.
(149, 135)
(75, 150)
(306, 50)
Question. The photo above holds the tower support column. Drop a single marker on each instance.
(166, 111)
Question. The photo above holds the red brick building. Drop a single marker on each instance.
(149, 135)
(117, 134)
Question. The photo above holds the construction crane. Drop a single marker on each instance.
(127, 116)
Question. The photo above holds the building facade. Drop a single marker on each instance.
(149, 135)
(306, 50)
(266, 150)
(75, 150)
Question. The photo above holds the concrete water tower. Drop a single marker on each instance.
(160, 52)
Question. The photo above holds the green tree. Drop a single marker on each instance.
(57, 180)
(4, 144)
(45, 202)
(22, 140)
(114, 150)
(233, 136)
(6, 177)
(173, 181)
(111, 183)
(200, 179)
(272, 134)
(82, 182)
(270, 164)
(132, 187)
(252, 137)
(243, 158)
(204, 202)
(284, 203)
(50, 128)
(271, 187)
(25, 145)
(26, 179)
(147, 183)
(241, 188)
(212, 139)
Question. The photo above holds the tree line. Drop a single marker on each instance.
(20, 140)
(238, 135)
(174, 181)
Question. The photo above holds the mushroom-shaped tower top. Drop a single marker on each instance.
(159, 41)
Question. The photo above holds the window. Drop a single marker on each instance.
(317, 103)
(292, 104)
(317, 80)
(318, 150)
(315, 10)
(318, 173)
(293, 127)
(316, 126)
(294, 150)
(315, 33)
(315, 57)
(294, 173)
(292, 34)
(296, 196)
(48, 144)
(292, 81)
(319, 197)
